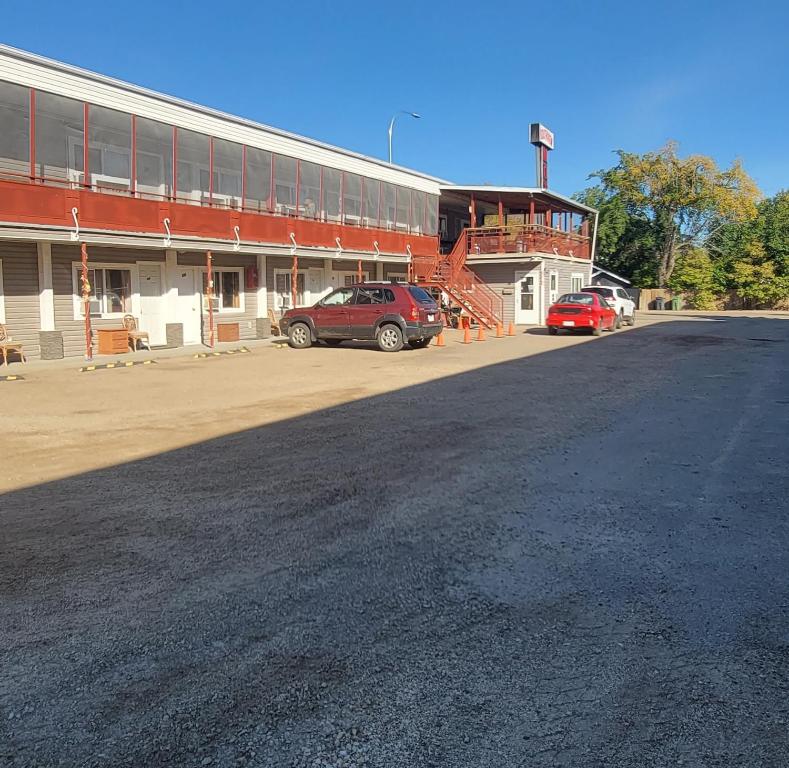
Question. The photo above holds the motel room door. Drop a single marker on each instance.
(188, 303)
(527, 293)
(152, 302)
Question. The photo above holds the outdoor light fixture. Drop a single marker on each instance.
(391, 126)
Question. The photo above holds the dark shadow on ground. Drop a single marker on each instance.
(517, 565)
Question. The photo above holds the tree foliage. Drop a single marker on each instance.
(694, 275)
(657, 204)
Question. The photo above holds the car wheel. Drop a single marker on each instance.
(620, 320)
(598, 329)
(553, 330)
(632, 321)
(332, 342)
(419, 343)
(390, 338)
(299, 336)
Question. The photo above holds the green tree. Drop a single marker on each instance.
(758, 284)
(694, 275)
(682, 202)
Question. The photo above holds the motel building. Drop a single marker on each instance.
(145, 195)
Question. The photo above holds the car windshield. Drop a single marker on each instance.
(576, 298)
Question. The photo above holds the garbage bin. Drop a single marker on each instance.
(660, 302)
(676, 303)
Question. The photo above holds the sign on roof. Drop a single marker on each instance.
(540, 136)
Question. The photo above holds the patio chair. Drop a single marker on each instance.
(275, 329)
(7, 344)
(135, 335)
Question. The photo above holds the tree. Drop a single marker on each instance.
(758, 284)
(682, 201)
(694, 275)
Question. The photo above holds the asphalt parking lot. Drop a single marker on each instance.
(536, 551)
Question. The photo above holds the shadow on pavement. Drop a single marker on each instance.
(510, 566)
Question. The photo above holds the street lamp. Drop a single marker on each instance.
(391, 127)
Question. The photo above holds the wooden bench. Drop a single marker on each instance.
(7, 344)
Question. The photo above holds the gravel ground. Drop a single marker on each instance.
(525, 564)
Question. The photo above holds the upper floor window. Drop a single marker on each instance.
(14, 129)
(109, 149)
(60, 138)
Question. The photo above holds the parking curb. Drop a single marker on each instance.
(12, 377)
(110, 366)
(204, 355)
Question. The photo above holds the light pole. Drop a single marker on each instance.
(391, 127)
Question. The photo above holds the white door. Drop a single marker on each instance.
(315, 287)
(553, 286)
(527, 297)
(152, 302)
(188, 303)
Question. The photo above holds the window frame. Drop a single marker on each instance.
(134, 289)
(218, 296)
(2, 295)
(576, 276)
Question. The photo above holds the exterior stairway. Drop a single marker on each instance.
(450, 273)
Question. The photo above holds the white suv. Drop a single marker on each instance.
(619, 299)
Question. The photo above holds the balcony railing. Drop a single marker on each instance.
(526, 238)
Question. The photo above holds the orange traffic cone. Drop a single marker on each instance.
(499, 330)
(466, 334)
(440, 339)
(511, 329)
(480, 332)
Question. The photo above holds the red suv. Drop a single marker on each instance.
(391, 313)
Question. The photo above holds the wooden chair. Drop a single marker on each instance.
(135, 335)
(275, 329)
(7, 344)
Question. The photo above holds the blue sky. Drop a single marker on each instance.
(602, 75)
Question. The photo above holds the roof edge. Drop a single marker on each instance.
(521, 190)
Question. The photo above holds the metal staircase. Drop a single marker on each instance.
(449, 273)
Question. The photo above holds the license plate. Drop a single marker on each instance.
(568, 322)
(430, 318)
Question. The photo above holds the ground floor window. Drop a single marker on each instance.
(227, 295)
(110, 291)
(2, 295)
(576, 282)
(283, 289)
(351, 278)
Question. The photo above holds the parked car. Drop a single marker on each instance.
(581, 311)
(392, 314)
(619, 299)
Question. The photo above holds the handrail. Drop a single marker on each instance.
(527, 238)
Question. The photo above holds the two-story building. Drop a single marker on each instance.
(151, 190)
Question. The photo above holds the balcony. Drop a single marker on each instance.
(525, 238)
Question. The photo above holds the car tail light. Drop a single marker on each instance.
(414, 312)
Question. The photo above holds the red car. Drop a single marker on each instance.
(393, 314)
(587, 311)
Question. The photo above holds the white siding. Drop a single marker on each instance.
(20, 290)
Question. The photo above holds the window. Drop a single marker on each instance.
(577, 298)
(553, 281)
(285, 184)
(352, 198)
(332, 191)
(282, 288)
(576, 282)
(403, 208)
(192, 183)
(432, 215)
(110, 291)
(389, 296)
(351, 278)
(227, 296)
(154, 158)
(369, 296)
(258, 180)
(2, 295)
(59, 138)
(14, 129)
(443, 228)
(109, 149)
(370, 202)
(339, 297)
(417, 211)
(421, 295)
(228, 158)
(388, 206)
(309, 189)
